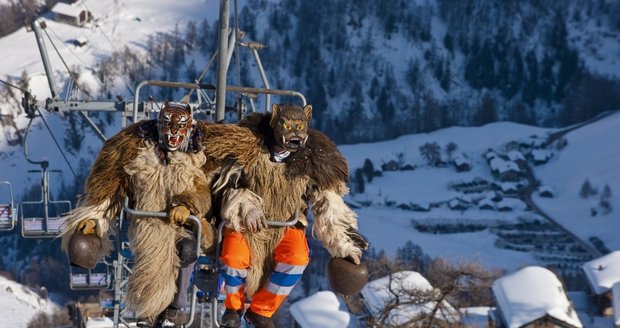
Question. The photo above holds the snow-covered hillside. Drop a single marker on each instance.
(591, 152)
(19, 304)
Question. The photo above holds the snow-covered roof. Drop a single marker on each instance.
(461, 159)
(515, 155)
(502, 166)
(378, 293)
(530, 294)
(66, 9)
(490, 155)
(545, 189)
(603, 272)
(508, 186)
(320, 310)
(541, 154)
(486, 202)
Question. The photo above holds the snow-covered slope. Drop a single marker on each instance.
(591, 153)
(19, 304)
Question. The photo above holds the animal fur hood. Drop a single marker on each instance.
(320, 159)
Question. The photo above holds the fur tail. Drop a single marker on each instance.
(333, 224)
(152, 284)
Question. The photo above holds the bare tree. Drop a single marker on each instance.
(431, 153)
(454, 285)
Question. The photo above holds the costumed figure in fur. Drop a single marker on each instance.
(159, 165)
(275, 163)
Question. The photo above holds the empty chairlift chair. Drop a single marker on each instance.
(8, 211)
(89, 279)
(43, 218)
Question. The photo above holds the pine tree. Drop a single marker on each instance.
(369, 170)
(586, 189)
(451, 147)
(605, 201)
(359, 181)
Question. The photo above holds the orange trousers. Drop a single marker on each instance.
(291, 255)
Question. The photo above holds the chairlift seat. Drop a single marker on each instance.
(7, 217)
(89, 280)
(37, 227)
(84, 279)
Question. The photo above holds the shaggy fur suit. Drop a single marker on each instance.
(129, 165)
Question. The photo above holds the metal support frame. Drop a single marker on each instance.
(222, 68)
(119, 283)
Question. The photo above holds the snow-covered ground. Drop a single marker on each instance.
(19, 304)
(591, 153)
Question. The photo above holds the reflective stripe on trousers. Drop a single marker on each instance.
(291, 256)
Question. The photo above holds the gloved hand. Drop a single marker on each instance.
(87, 227)
(178, 214)
(255, 220)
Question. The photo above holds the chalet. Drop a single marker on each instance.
(533, 297)
(420, 206)
(489, 155)
(80, 41)
(461, 162)
(512, 145)
(505, 170)
(602, 274)
(508, 187)
(540, 156)
(493, 195)
(533, 141)
(69, 14)
(408, 285)
(458, 204)
(545, 191)
(390, 166)
(486, 204)
(516, 156)
(320, 310)
(504, 206)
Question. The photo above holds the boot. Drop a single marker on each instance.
(257, 320)
(171, 317)
(231, 318)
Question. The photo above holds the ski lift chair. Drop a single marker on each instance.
(44, 218)
(43, 225)
(90, 279)
(8, 211)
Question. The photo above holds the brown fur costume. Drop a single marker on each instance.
(316, 173)
(130, 164)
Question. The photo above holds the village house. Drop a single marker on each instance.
(603, 277)
(540, 156)
(486, 204)
(533, 297)
(545, 191)
(461, 163)
(69, 14)
(516, 156)
(505, 170)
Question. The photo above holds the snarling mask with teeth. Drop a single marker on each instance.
(174, 126)
(290, 125)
